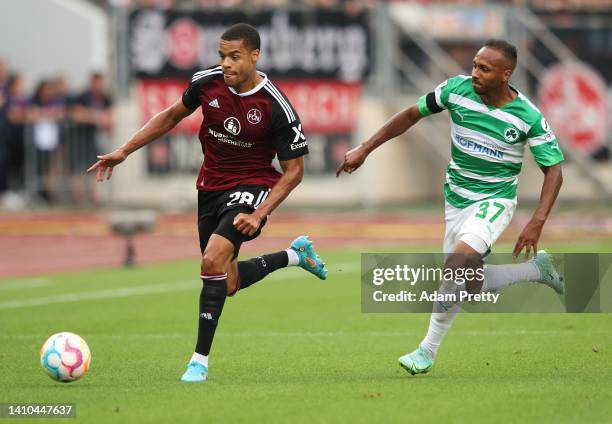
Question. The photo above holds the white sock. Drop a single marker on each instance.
(294, 258)
(441, 319)
(496, 277)
(500, 276)
(200, 359)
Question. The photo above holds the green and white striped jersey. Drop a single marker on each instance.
(488, 142)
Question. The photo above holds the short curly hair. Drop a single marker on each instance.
(509, 50)
(245, 32)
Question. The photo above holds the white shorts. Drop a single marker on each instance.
(479, 225)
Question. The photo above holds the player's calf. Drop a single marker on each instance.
(300, 253)
(214, 265)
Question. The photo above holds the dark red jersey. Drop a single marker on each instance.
(241, 133)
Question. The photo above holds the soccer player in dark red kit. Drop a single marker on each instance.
(247, 121)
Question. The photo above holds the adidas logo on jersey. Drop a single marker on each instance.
(214, 103)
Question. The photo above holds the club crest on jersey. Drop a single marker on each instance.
(232, 125)
(254, 116)
(511, 134)
(545, 125)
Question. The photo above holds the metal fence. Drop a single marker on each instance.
(57, 155)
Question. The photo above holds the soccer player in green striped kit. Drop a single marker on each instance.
(491, 123)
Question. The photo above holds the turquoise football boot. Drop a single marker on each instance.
(309, 260)
(548, 274)
(195, 372)
(417, 362)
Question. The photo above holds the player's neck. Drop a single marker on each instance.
(500, 97)
(249, 84)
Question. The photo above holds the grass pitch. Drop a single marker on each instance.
(295, 349)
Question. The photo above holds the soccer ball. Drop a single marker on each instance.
(65, 357)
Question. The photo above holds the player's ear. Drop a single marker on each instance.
(507, 74)
(254, 55)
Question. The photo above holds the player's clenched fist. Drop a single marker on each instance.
(353, 159)
(107, 161)
(247, 224)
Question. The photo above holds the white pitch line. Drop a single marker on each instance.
(101, 294)
(151, 289)
(23, 284)
(468, 333)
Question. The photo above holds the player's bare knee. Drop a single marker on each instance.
(212, 263)
(474, 280)
(455, 262)
(465, 269)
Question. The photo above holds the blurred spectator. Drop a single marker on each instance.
(46, 113)
(92, 112)
(61, 91)
(3, 75)
(157, 4)
(119, 3)
(354, 7)
(212, 4)
(16, 118)
(322, 3)
(3, 140)
(266, 3)
(4, 160)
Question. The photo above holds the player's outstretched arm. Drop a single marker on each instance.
(157, 126)
(293, 171)
(529, 237)
(397, 125)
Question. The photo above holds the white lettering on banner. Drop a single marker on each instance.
(314, 48)
(285, 46)
(148, 42)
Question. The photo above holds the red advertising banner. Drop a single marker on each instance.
(324, 107)
(156, 95)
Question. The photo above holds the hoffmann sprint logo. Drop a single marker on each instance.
(476, 147)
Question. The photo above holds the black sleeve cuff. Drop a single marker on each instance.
(432, 105)
(189, 102)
